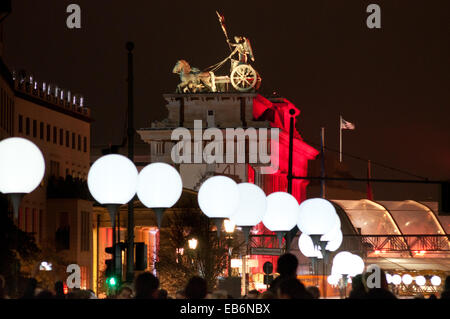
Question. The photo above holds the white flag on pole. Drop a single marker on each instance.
(346, 125)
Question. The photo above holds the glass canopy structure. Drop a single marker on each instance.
(407, 235)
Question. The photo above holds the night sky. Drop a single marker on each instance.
(393, 83)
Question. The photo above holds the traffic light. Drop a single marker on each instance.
(118, 254)
(112, 281)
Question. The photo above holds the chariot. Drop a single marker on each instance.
(243, 77)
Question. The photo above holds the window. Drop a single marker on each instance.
(61, 136)
(67, 139)
(41, 131)
(55, 135)
(85, 231)
(79, 142)
(85, 144)
(34, 128)
(48, 132)
(54, 168)
(62, 236)
(20, 123)
(27, 127)
(73, 140)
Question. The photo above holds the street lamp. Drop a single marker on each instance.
(251, 209)
(281, 214)
(229, 226)
(22, 167)
(218, 198)
(193, 243)
(112, 181)
(159, 187)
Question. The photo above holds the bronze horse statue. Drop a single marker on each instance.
(192, 79)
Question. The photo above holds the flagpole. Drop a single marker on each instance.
(340, 138)
(322, 173)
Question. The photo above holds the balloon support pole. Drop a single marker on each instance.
(280, 235)
(112, 209)
(316, 240)
(159, 215)
(218, 222)
(16, 198)
(323, 245)
(246, 231)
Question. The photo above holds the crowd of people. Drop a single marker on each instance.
(285, 286)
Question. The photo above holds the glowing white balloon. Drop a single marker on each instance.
(345, 263)
(396, 279)
(281, 213)
(218, 197)
(306, 246)
(317, 216)
(334, 239)
(436, 281)
(420, 280)
(112, 179)
(159, 185)
(22, 166)
(252, 205)
(407, 279)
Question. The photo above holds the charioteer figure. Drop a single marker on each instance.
(243, 48)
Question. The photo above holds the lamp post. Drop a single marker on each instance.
(229, 226)
(159, 187)
(112, 181)
(281, 214)
(192, 244)
(251, 209)
(218, 198)
(22, 167)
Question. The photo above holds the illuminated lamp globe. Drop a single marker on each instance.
(436, 281)
(159, 187)
(407, 279)
(112, 179)
(316, 217)
(281, 214)
(22, 166)
(420, 280)
(307, 248)
(218, 198)
(251, 209)
(396, 279)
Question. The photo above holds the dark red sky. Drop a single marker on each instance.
(393, 83)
